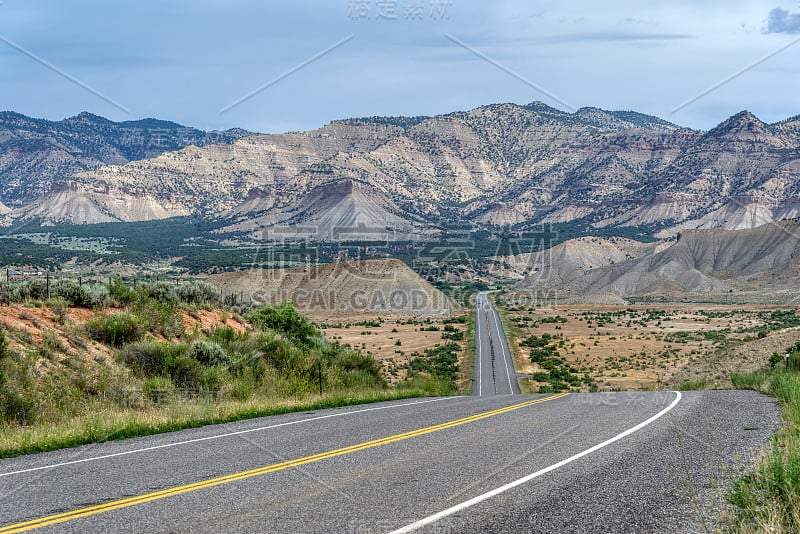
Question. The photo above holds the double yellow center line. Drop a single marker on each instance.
(177, 490)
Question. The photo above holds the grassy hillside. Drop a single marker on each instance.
(109, 361)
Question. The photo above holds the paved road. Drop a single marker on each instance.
(494, 368)
(624, 462)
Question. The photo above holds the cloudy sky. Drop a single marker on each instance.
(273, 66)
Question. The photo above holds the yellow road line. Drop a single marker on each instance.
(177, 490)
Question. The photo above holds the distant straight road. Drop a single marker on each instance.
(494, 368)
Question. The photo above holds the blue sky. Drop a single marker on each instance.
(187, 60)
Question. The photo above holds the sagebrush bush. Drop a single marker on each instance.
(198, 293)
(28, 290)
(210, 353)
(115, 330)
(160, 318)
(162, 292)
(99, 298)
(3, 345)
(74, 294)
(153, 358)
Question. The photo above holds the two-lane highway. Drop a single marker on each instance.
(617, 462)
(494, 368)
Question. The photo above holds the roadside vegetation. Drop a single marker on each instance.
(109, 362)
(619, 348)
(768, 498)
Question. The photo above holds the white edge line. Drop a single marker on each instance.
(488, 495)
(478, 345)
(501, 336)
(216, 436)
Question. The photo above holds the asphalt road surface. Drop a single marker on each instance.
(616, 462)
(494, 369)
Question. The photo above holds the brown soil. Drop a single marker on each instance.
(210, 319)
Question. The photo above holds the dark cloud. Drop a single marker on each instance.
(781, 21)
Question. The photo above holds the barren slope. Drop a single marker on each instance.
(345, 289)
(701, 261)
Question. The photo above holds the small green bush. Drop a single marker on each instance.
(209, 353)
(121, 293)
(99, 298)
(153, 358)
(244, 386)
(285, 320)
(198, 293)
(162, 292)
(689, 385)
(159, 389)
(186, 372)
(160, 318)
(75, 295)
(3, 345)
(214, 379)
(115, 330)
(28, 290)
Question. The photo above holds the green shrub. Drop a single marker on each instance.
(28, 290)
(16, 385)
(285, 320)
(16, 407)
(115, 330)
(689, 385)
(214, 379)
(75, 295)
(209, 353)
(162, 292)
(279, 353)
(186, 372)
(244, 385)
(159, 389)
(351, 360)
(224, 335)
(160, 318)
(198, 293)
(121, 293)
(153, 358)
(429, 385)
(99, 297)
(3, 345)
(60, 309)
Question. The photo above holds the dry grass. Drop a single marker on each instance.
(382, 342)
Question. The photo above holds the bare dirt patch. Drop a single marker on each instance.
(211, 319)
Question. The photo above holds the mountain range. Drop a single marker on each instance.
(496, 165)
(36, 154)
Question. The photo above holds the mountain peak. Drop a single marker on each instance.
(744, 120)
(743, 125)
(540, 107)
(87, 117)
